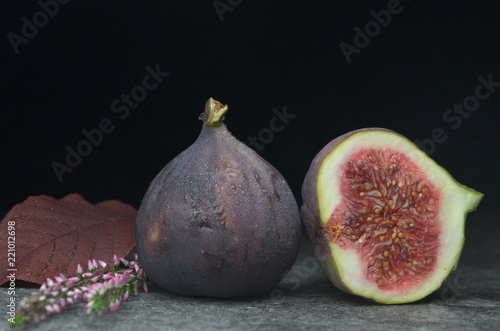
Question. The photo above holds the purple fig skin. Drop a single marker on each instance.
(218, 221)
(315, 230)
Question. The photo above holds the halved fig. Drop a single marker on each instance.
(386, 222)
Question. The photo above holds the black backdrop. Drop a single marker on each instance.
(255, 56)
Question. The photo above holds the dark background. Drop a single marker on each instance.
(262, 55)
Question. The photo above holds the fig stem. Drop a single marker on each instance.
(214, 111)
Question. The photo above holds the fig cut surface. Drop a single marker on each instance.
(386, 222)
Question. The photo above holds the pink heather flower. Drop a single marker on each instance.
(125, 279)
(112, 285)
(115, 281)
(125, 262)
(107, 276)
(136, 256)
(95, 288)
(50, 282)
(114, 305)
(70, 283)
(56, 308)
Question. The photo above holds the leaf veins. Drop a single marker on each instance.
(53, 236)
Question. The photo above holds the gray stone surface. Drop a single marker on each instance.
(305, 300)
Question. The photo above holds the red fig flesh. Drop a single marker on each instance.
(218, 220)
(386, 222)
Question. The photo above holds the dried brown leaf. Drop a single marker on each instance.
(52, 236)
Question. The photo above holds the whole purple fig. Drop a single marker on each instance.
(218, 220)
